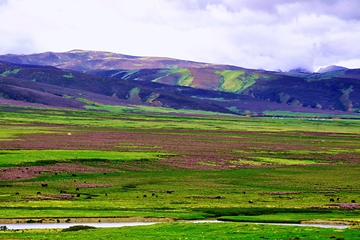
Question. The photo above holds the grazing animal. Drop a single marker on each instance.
(78, 195)
(38, 193)
(244, 192)
(17, 193)
(144, 196)
(77, 189)
(338, 199)
(44, 185)
(104, 173)
(137, 196)
(352, 201)
(332, 200)
(153, 194)
(156, 196)
(74, 175)
(251, 201)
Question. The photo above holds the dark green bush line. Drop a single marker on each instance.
(219, 212)
(77, 228)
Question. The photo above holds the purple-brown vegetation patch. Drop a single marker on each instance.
(201, 150)
(20, 173)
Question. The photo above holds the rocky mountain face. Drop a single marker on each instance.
(116, 79)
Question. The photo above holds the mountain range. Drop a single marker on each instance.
(77, 79)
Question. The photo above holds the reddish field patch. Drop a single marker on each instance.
(20, 173)
(200, 150)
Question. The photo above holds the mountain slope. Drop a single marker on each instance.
(192, 85)
(330, 91)
(60, 88)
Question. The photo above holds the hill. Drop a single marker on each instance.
(180, 84)
(337, 90)
(61, 88)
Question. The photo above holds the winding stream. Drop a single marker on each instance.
(129, 224)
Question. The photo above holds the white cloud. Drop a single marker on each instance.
(266, 34)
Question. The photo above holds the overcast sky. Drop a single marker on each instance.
(267, 34)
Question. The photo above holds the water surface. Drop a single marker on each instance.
(130, 224)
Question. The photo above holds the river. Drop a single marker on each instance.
(129, 224)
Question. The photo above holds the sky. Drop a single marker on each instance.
(257, 34)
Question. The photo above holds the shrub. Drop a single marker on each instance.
(77, 228)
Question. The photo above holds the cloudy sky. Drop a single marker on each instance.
(276, 34)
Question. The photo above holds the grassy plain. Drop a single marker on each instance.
(69, 163)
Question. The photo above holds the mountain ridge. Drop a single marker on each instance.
(81, 60)
(185, 84)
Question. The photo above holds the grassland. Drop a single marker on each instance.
(69, 163)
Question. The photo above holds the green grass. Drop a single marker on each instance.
(14, 157)
(149, 109)
(237, 194)
(126, 194)
(283, 161)
(68, 75)
(236, 81)
(299, 114)
(186, 79)
(204, 122)
(293, 217)
(8, 72)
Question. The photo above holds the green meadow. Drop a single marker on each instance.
(186, 166)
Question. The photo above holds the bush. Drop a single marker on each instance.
(3, 228)
(77, 228)
(219, 212)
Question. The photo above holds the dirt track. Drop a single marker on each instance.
(330, 222)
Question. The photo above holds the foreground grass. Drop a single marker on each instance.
(191, 231)
(192, 196)
(295, 217)
(65, 163)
